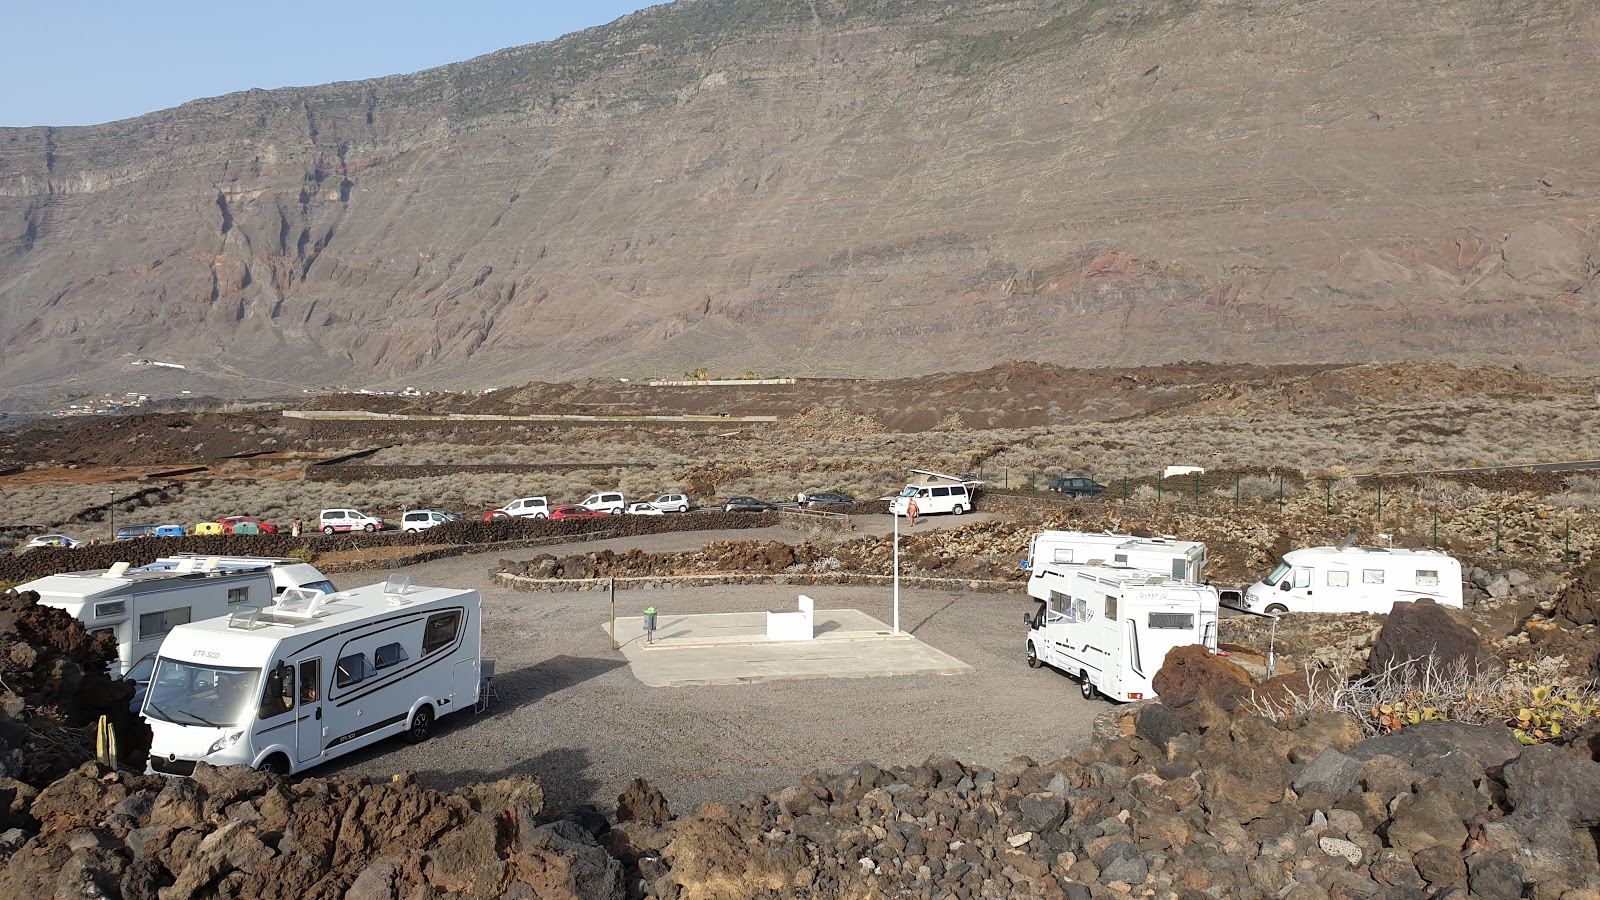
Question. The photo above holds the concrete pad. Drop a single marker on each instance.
(733, 648)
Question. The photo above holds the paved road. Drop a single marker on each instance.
(1585, 465)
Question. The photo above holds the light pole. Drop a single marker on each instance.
(895, 516)
(111, 512)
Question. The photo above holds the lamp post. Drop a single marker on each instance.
(111, 513)
(896, 517)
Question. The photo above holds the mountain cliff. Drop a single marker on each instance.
(841, 187)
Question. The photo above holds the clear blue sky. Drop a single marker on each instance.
(81, 62)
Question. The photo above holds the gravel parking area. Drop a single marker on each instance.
(570, 710)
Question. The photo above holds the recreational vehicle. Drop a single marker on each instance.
(286, 571)
(935, 493)
(1112, 627)
(313, 677)
(1050, 550)
(1355, 579)
(140, 608)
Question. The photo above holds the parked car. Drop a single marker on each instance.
(746, 504)
(129, 532)
(606, 502)
(828, 498)
(53, 540)
(645, 509)
(1077, 487)
(334, 520)
(524, 508)
(573, 512)
(415, 520)
(229, 523)
(451, 516)
(169, 531)
(671, 503)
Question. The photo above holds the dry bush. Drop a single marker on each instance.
(1582, 492)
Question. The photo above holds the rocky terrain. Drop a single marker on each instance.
(833, 188)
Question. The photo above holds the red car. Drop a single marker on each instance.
(262, 526)
(574, 512)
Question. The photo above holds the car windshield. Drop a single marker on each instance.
(909, 490)
(1277, 574)
(192, 694)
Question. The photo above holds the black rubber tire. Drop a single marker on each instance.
(958, 510)
(1276, 609)
(327, 529)
(541, 515)
(1033, 658)
(1086, 686)
(421, 726)
(276, 764)
(371, 528)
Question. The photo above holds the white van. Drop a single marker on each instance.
(1183, 560)
(313, 677)
(334, 520)
(524, 508)
(140, 608)
(1355, 579)
(1111, 627)
(935, 493)
(286, 571)
(415, 520)
(606, 502)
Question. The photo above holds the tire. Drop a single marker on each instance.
(958, 510)
(370, 527)
(1276, 609)
(421, 726)
(1033, 658)
(327, 529)
(276, 764)
(541, 515)
(1086, 687)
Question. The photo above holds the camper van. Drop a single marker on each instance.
(1112, 627)
(1355, 579)
(1183, 560)
(286, 571)
(313, 677)
(935, 493)
(140, 608)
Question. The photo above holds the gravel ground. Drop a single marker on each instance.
(570, 710)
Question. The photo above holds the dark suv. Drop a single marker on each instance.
(1077, 487)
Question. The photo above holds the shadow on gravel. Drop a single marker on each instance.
(563, 773)
(521, 687)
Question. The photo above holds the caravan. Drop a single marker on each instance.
(935, 493)
(139, 608)
(1050, 550)
(313, 677)
(1355, 579)
(1112, 627)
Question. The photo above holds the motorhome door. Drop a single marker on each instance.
(308, 740)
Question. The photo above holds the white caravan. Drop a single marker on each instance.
(313, 677)
(286, 571)
(140, 608)
(1111, 628)
(1355, 579)
(935, 493)
(1050, 550)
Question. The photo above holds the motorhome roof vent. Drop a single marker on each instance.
(1348, 542)
(245, 619)
(396, 589)
(1158, 579)
(117, 570)
(299, 603)
(186, 566)
(211, 563)
(1095, 562)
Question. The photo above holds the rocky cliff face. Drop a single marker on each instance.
(840, 187)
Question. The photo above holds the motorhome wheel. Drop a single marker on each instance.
(957, 510)
(1086, 686)
(1277, 609)
(1033, 658)
(276, 764)
(421, 724)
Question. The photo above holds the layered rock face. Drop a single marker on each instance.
(833, 188)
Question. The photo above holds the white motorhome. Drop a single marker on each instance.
(286, 571)
(935, 493)
(1110, 628)
(313, 677)
(140, 608)
(1047, 550)
(1355, 579)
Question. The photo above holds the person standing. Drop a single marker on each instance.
(800, 498)
(911, 512)
(294, 528)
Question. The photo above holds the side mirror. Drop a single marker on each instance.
(1284, 586)
(1027, 619)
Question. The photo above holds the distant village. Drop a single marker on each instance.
(106, 403)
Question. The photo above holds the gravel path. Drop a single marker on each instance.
(571, 711)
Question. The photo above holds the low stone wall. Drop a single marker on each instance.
(667, 582)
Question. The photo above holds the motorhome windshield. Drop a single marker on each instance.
(1277, 574)
(191, 694)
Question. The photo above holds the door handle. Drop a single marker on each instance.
(319, 714)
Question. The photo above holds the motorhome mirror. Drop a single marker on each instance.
(1284, 586)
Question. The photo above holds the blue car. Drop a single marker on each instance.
(169, 531)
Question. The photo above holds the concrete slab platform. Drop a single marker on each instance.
(732, 648)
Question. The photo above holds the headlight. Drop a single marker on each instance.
(225, 741)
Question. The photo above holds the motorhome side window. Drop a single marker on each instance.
(1063, 555)
(1338, 579)
(1372, 576)
(389, 655)
(1302, 577)
(238, 595)
(441, 631)
(1111, 607)
(108, 608)
(1427, 577)
(277, 697)
(352, 669)
(157, 624)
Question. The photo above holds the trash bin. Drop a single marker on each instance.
(650, 625)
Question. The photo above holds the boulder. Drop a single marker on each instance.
(1579, 601)
(1193, 676)
(1490, 745)
(642, 802)
(1331, 775)
(1419, 630)
(1158, 724)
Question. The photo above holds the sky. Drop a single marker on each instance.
(83, 62)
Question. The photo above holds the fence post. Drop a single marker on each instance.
(1280, 495)
(1197, 490)
(1436, 529)
(1008, 478)
(1236, 477)
(1380, 504)
(1124, 493)
(1566, 549)
(1497, 536)
(1159, 479)
(1327, 503)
